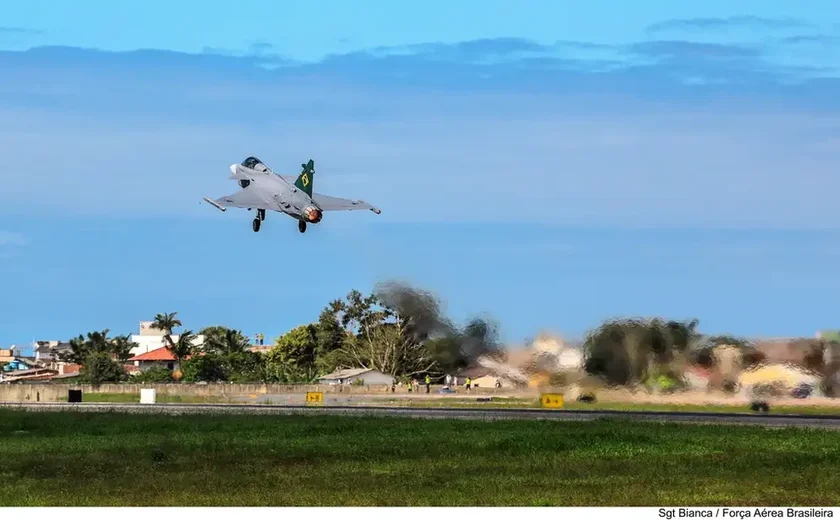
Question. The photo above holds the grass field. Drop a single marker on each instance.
(66, 458)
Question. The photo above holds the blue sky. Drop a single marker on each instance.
(551, 165)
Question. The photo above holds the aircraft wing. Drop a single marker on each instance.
(245, 198)
(327, 203)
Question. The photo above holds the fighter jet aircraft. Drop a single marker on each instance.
(262, 189)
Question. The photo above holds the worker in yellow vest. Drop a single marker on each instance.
(428, 384)
(469, 382)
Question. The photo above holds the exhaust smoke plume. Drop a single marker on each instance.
(425, 322)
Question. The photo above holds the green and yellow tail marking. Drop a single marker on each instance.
(304, 180)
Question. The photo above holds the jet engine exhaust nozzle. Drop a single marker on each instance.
(312, 214)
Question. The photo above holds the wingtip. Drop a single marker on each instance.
(213, 203)
(376, 210)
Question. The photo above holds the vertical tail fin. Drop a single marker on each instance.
(304, 180)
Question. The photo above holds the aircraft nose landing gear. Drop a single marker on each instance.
(261, 214)
(255, 225)
(301, 226)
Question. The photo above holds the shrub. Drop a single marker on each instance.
(154, 375)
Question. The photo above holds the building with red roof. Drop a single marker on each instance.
(159, 357)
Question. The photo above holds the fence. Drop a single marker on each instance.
(52, 392)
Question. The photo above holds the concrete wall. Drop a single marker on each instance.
(374, 378)
(51, 392)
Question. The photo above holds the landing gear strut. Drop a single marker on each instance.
(301, 226)
(255, 225)
(261, 214)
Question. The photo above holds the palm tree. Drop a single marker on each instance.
(96, 354)
(81, 347)
(166, 322)
(121, 347)
(230, 341)
(213, 331)
(184, 346)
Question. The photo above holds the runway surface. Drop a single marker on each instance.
(773, 420)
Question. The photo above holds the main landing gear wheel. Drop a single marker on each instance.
(255, 225)
(302, 226)
(261, 214)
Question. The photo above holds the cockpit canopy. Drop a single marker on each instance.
(251, 162)
(255, 164)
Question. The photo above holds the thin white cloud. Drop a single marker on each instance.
(720, 168)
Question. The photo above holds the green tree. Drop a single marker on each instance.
(166, 322)
(330, 334)
(388, 330)
(121, 347)
(293, 358)
(216, 334)
(225, 341)
(330, 338)
(82, 347)
(298, 346)
(244, 367)
(100, 367)
(231, 352)
(153, 375)
(631, 351)
(333, 338)
(100, 356)
(277, 371)
(381, 338)
(183, 348)
(98, 342)
(606, 354)
(207, 368)
(398, 330)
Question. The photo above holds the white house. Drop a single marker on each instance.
(347, 376)
(44, 350)
(150, 339)
(50, 350)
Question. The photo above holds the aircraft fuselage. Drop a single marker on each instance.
(277, 193)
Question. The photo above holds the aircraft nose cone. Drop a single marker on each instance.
(233, 169)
